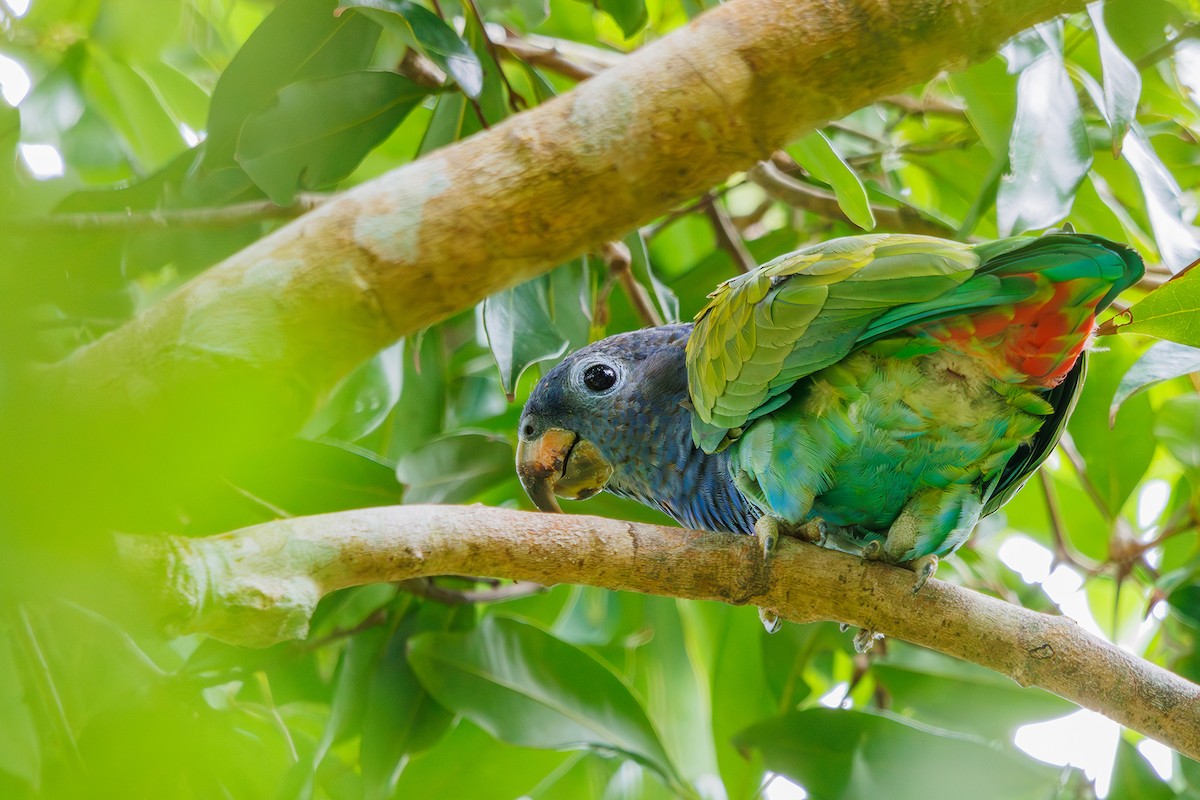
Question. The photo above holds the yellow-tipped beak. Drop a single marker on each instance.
(560, 463)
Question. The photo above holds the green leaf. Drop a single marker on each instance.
(20, 747)
(299, 40)
(321, 129)
(453, 119)
(455, 468)
(130, 104)
(537, 321)
(1134, 779)
(471, 764)
(526, 687)
(401, 718)
(1049, 154)
(639, 264)
(1122, 82)
(840, 754)
(434, 38)
(135, 30)
(631, 15)
(950, 693)
(989, 91)
(1161, 362)
(10, 137)
(363, 400)
(1172, 311)
(1185, 601)
(816, 154)
(1168, 210)
(1117, 456)
(1177, 426)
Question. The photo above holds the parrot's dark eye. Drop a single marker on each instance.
(599, 377)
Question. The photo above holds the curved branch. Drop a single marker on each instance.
(240, 356)
(259, 585)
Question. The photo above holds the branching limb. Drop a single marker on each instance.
(259, 585)
(786, 189)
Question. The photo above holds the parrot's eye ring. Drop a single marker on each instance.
(599, 377)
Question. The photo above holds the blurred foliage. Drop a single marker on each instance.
(187, 129)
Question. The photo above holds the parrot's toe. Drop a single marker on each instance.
(770, 620)
(873, 551)
(925, 567)
(766, 528)
(865, 639)
(815, 531)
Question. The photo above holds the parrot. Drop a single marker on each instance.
(876, 394)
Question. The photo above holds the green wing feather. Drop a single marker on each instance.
(745, 351)
(763, 331)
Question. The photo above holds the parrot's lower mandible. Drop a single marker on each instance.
(878, 394)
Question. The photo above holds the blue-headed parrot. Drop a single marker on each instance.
(877, 394)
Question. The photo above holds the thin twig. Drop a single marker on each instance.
(729, 238)
(167, 218)
(786, 189)
(430, 590)
(1067, 445)
(550, 58)
(1064, 553)
(617, 258)
(515, 101)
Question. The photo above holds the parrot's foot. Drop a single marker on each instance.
(925, 566)
(865, 639)
(766, 529)
(815, 531)
(770, 620)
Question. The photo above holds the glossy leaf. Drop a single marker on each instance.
(400, 718)
(1172, 311)
(1134, 779)
(629, 14)
(1165, 204)
(943, 691)
(639, 264)
(435, 38)
(1049, 153)
(537, 321)
(299, 40)
(10, 135)
(20, 747)
(817, 155)
(363, 400)
(455, 468)
(841, 754)
(320, 130)
(1122, 82)
(1177, 426)
(1161, 362)
(526, 687)
(1116, 456)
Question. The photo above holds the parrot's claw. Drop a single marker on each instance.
(873, 551)
(766, 528)
(924, 566)
(770, 620)
(865, 639)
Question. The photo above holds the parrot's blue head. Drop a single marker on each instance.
(601, 415)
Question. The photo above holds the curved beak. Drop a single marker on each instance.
(560, 463)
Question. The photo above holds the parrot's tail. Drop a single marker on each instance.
(1053, 287)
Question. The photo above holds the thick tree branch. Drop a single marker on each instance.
(259, 585)
(243, 354)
